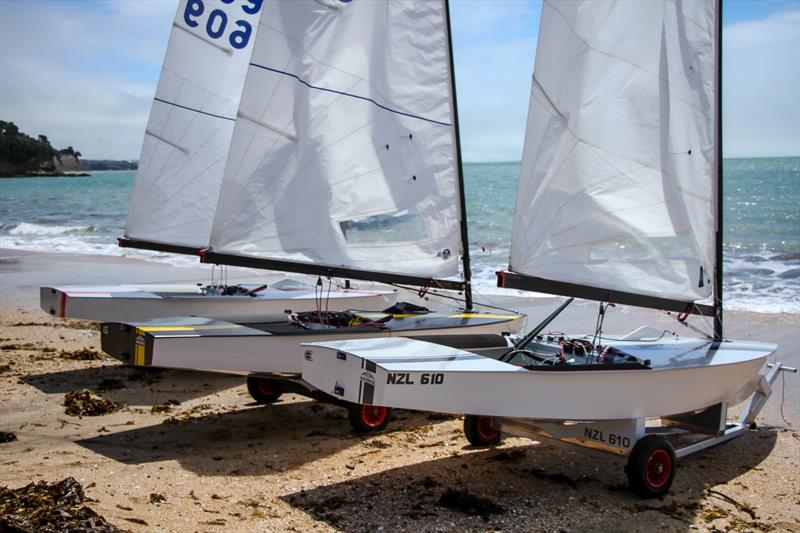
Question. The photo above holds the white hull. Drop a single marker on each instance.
(202, 344)
(135, 303)
(684, 375)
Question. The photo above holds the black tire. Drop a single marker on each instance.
(264, 390)
(368, 418)
(651, 467)
(480, 430)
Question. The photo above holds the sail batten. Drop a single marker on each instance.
(617, 191)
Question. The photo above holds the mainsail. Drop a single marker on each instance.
(191, 124)
(344, 153)
(618, 183)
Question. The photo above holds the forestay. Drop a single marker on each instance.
(618, 180)
(191, 122)
(343, 152)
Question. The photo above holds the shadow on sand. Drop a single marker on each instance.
(536, 486)
(135, 386)
(252, 441)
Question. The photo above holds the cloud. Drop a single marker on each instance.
(761, 86)
(494, 49)
(83, 73)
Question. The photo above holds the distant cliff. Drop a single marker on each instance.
(108, 164)
(21, 155)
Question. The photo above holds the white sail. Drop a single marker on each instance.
(191, 122)
(343, 152)
(618, 181)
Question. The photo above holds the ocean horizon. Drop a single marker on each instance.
(85, 215)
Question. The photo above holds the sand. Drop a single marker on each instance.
(210, 459)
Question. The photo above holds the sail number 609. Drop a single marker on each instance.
(217, 20)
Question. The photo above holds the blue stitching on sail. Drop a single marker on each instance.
(192, 109)
(298, 78)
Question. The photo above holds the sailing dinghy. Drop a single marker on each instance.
(344, 162)
(241, 303)
(619, 202)
(179, 176)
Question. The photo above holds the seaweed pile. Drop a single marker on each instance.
(82, 355)
(46, 508)
(85, 402)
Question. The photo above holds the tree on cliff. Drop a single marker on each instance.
(20, 153)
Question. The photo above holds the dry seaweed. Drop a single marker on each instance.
(88, 403)
(78, 324)
(469, 503)
(740, 506)
(185, 415)
(376, 443)
(215, 522)
(25, 346)
(84, 354)
(165, 407)
(7, 436)
(46, 508)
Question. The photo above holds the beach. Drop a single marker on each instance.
(191, 451)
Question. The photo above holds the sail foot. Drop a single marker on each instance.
(513, 280)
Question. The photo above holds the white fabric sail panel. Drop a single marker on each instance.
(191, 122)
(343, 152)
(618, 180)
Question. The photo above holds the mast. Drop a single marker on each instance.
(720, 231)
(459, 168)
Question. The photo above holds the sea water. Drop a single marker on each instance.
(762, 224)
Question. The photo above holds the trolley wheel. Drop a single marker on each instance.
(264, 390)
(367, 418)
(651, 467)
(480, 430)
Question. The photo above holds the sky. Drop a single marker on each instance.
(83, 72)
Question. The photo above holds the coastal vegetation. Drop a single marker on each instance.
(22, 155)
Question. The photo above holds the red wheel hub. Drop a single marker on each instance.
(373, 415)
(265, 388)
(486, 430)
(658, 469)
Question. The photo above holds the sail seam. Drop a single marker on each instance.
(356, 96)
(627, 61)
(157, 99)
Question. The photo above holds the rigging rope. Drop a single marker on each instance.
(454, 298)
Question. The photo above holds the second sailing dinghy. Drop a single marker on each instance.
(619, 202)
(344, 162)
(177, 184)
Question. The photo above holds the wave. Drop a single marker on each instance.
(42, 230)
(78, 244)
(763, 283)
